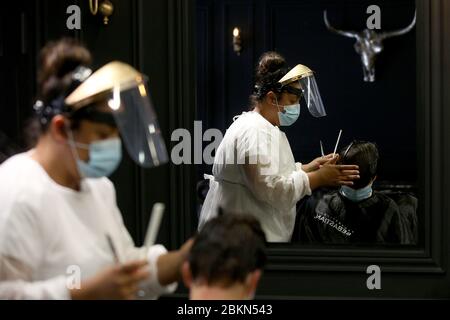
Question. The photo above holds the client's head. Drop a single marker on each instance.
(365, 155)
(226, 259)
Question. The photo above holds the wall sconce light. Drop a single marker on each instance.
(106, 9)
(237, 42)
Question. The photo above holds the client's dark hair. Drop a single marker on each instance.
(270, 69)
(227, 249)
(365, 155)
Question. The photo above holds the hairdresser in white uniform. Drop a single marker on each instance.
(61, 232)
(254, 169)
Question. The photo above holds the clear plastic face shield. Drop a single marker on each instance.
(138, 125)
(123, 92)
(301, 80)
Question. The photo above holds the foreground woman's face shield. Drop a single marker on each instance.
(138, 125)
(127, 98)
(308, 85)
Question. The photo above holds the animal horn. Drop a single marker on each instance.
(399, 32)
(349, 34)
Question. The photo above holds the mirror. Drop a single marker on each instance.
(364, 61)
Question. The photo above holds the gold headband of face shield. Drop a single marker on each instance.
(109, 77)
(298, 72)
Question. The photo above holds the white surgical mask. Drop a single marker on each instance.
(356, 195)
(290, 114)
(104, 157)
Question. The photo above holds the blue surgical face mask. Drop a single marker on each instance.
(356, 195)
(290, 114)
(104, 157)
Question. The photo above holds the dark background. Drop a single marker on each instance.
(159, 38)
(145, 34)
(382, 112)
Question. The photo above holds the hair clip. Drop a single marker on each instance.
(348, 148)
(81, 73)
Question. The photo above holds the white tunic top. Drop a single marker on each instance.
(49, 233)
(255, 173)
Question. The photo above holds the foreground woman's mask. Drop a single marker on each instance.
(104, 157)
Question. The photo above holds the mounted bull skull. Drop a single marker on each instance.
(368, 44)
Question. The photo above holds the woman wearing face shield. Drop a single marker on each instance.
(254, 169)
(61, 232)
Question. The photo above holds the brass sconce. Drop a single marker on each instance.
(106, 9)
(237, 42)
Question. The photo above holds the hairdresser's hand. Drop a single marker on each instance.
(186, 248)
(317, 163)
(332, 175)
(119, 282)
(169, 264)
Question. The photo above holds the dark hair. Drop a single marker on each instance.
(58, 60)
(270, 69)
(365, 155)
(227, 249)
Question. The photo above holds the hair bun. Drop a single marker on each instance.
(269, 70)
(57, 60)
(270, 62)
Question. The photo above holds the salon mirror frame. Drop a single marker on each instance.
(433, 141)
(431, 134)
